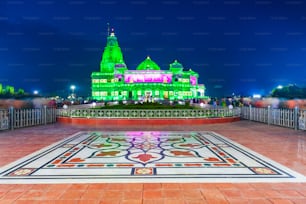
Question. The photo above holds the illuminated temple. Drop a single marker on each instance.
(115, 82)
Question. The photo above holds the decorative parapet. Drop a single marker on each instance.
(139, 113)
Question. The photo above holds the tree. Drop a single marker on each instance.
(289, 92)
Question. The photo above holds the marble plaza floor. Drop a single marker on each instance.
(284, 146)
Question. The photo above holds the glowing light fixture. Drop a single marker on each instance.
(72, 87)
(256, 96)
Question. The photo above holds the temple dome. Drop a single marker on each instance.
(148, 64)
(176, 67)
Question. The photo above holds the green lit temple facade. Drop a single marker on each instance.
(115, 82)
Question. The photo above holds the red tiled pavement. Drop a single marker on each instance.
(283, 145)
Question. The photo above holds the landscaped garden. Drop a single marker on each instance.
(147, 106)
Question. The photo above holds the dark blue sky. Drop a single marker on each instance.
(238, 47)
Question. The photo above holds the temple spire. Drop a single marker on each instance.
(112, 32)
(112, 55)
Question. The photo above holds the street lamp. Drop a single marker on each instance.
(72, 87)
(35, 92)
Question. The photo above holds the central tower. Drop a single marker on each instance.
(112, 58)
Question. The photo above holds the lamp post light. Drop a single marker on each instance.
(72, 87)
(35, 92)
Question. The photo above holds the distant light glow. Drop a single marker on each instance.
(279, 87)
(35, 92)
(181, 102)
(72, 87)
(256, 96)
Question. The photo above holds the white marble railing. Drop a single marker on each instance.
(4, 119)
(291, 118)
(18, 118)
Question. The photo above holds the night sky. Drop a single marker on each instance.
(241, 47)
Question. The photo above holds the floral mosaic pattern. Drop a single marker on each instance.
(163, 156)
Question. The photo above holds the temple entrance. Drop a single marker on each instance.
(148, 96)
(166, 96)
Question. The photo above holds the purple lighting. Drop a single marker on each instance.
(148, 78)
(193, 80)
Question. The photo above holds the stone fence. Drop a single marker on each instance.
(18, 118)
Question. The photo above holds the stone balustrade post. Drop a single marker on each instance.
(11, 117)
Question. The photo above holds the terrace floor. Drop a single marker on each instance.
(285, 146)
